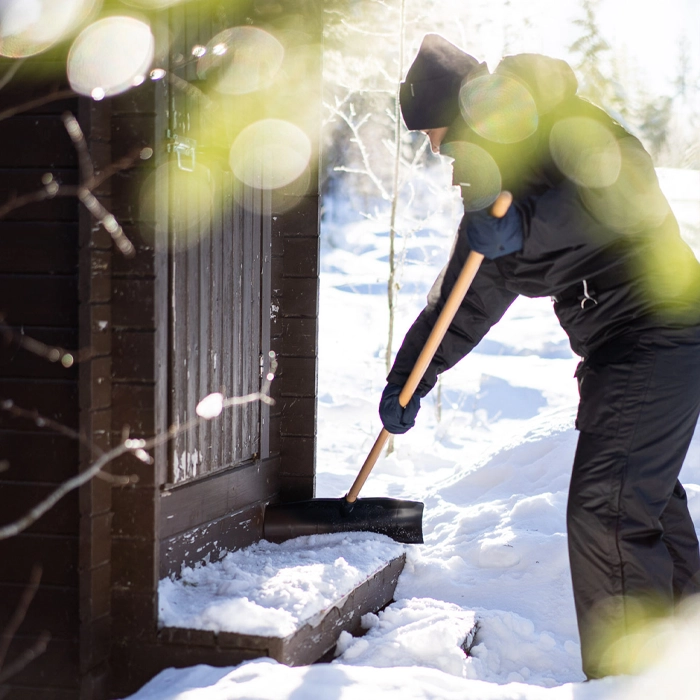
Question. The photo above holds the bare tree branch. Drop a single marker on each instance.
(24, 659)
(364, 153)
(61, 429)
(124, 163)
(10, 630)
(52, 353)
(138, 447)
(20, 613)
(87, 171)
(21, 524)
(89, 180)
(105, 218)
(85, 195)
(38, 102)
(108, 221)
(365, 32)
(15, 202)
(11, 71)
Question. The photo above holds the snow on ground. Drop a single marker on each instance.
(491, 460)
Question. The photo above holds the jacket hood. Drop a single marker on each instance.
(429, 96)
(550, 81)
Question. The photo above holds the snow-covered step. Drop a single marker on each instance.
(288, 601)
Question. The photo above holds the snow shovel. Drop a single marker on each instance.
(400, 520)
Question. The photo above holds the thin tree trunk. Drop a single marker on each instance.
(392, 287)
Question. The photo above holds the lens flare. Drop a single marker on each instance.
(28, 27)
(152, 4)
(270, 154)
(110, 56)
(476, 173)
(241, 60)
(633, 201)
(585, 151)
(498, 108)
(186, 204)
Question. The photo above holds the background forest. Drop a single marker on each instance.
(373, 167)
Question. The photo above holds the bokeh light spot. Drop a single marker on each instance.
(28, 27)
(153, 4)
(270, 153)
(498, 108)
(67, 360)
(476, 173)
(585, 151)
(241, 60)
(109, 55)
(634, 201)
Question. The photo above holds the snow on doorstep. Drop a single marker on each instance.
(272, 590)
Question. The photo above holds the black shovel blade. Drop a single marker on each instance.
(400, 520)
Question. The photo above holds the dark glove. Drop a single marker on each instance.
(397, 420)
(494, 237)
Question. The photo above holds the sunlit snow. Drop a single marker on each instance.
(491, 464)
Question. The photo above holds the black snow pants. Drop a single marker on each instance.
(632, 544)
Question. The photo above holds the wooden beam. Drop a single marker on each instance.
(307, 644)
(198, 503)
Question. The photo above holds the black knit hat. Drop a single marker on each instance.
(429, 96)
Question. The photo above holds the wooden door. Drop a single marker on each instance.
(219, 268)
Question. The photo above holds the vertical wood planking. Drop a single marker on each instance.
(178, 272)
(178, 339)
(193, 349)
(265, 303)
(217, 312)
(162, 269)
(193, 257)
(246, 307)
(255, 346)
(191, 37)
(237, 311)
(202, 235)
(178, 46)
(227, 312)
(202, 288)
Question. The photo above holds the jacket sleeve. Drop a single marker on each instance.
(483, 306)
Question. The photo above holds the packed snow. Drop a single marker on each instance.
(273, 590)
(490, 457)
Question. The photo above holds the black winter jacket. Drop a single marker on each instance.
(615, 232)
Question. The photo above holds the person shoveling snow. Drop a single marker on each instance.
(589, 227)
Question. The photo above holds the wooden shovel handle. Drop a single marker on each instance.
(459, 291)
